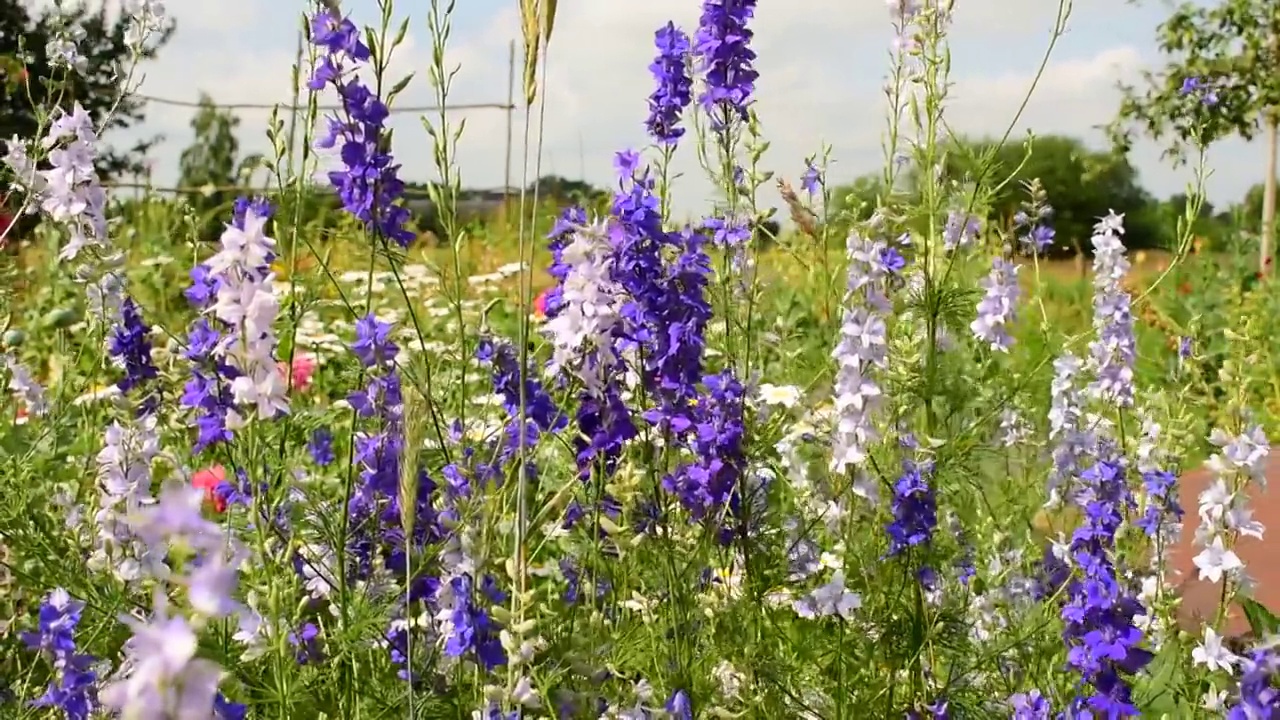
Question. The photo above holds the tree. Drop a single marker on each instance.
(23, 42)
(212, 161)
(1220, 80)
(1082, 184)
(857, 200)
(565, 190)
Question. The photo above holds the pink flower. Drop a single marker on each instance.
(208, 480)
(304, 366)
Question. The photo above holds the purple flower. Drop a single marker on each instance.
(811, 180)
(998, 306)
(224, 709)
(203, 289)
(58, 617)
(674, 89)
(373, 343)
(679, 707)
(338, 36)
(306, 643)
(232, 345)
(1258, 697)
(961, 230)
(723, 48)
(915, 511)
(321, 447)
(710, 486)
(1041, 237)
(470, 629)
(1029, 706)
(1037, 233)
(1184, 348)
(507, 382)
(369, 183)
(1102, 640)
(1162, 502)
(1199, 89)
(74, 687)
(130, 347)
(732, 232)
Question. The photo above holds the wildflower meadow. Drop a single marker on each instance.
(596, 462)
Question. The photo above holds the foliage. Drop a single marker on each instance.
(1217, 83)
(1230, 47)
(1076, 179)
(212, 161)
(24, 40)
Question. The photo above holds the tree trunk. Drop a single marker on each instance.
(1267, 242)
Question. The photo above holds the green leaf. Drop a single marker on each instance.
(1156, 691)
(1261, 620)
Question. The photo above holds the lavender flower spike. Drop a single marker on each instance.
(998, 306)
(675, 88)
(1112, 353)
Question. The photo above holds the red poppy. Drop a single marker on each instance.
(208, 480)
(540, 305)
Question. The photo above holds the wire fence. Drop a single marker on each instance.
(509, 107)
(299, 108)
(409, 192)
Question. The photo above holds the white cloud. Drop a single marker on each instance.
(1071, 96)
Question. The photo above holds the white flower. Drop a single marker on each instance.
(248, 248)
(783, 395)
(161, 676)
(1240, 519)
(581, 333)
(62, 51)
(211, 586)
(525, 694)
(1215, 701)
(266, 389)
(731, 681)
(1215, 560)
(1214, 501)
(830, 599)
(25, 387)
(1212, 654)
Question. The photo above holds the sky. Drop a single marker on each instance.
(821, 69)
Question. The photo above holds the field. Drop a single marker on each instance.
(613, 467)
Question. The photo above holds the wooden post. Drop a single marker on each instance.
(511, 120)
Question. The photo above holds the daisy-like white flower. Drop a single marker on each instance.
(783, 395)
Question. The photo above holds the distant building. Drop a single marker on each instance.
(472, 205)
